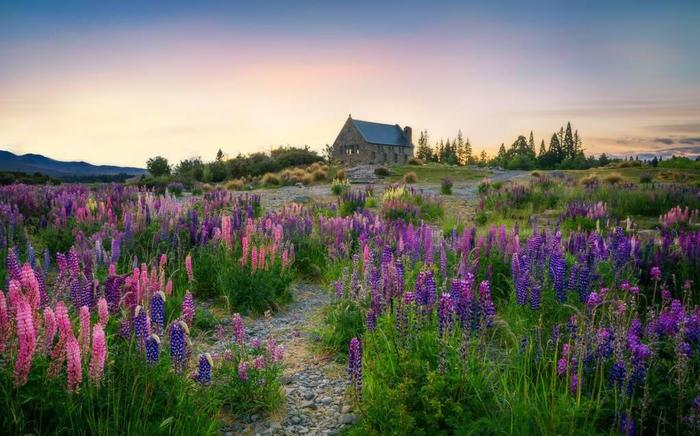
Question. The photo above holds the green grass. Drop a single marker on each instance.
(660, 175)
(434, 173)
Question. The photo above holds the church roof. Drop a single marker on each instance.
(383, 134)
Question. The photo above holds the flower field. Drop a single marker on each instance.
(553, 307)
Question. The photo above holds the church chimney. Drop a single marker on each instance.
(408, 134)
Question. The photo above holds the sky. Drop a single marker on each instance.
(119, 82)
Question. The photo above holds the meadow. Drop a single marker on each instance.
(557, 302)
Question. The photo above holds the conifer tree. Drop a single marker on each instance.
(569, 146)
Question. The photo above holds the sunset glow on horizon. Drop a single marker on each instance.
(117, 86)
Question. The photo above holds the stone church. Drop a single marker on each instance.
(365, 142)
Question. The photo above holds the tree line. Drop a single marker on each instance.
(224, 168)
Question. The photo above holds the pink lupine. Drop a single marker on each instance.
(103, 311)
(259, 362)
(30, 285)
(14, 295)
(285, 258)
(4, 322)
(169, 287)
(261, 258)
(50, 328)
(84, 332)
(188, 268)
(243, 371)
(26, 336)
(188, 308)
(238, 329)
(254, 258)
(163, 261)
(99, 353)
(244, 249)
(74, 368)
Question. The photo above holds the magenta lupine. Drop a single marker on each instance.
(243, 371)
(50, 328)
(169, 287)
(26, 335)
(188, 308)
(238, 329)
(259, 362)
(84, 332)
(4, 323)
(488, 309)
(655, 273)
(74, 365)
(99, 353)
(355, 366)
(444, 314)
(204, 369)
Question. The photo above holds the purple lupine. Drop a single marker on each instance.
(140, 324)
(152, 349)
(617, 374)
(188, 308)
(158, 311)
(355, 366)
(243, 371)
(488, 310)
(13, 268)
(178, 345)
(535, 297)
(519, 273)
(371, 321)
(655, 273)
(75, 292)
(238, 329)
(204, 369)
(557, 273)
(444, 314)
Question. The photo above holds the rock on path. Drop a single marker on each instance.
(314, 387)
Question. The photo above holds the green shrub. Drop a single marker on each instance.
(344, 320)
(381, 172)
(446, 186)
(415, 161)
(339, 186)
(410, 177)
(645, 178)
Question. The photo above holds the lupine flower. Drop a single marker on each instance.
(488, 309)
(26, 336)
(444, 314)
(655, 273)
(152, 349)
(84, 333)
(238, 329)
(4, 322)
(99, 353)
(204, 369)
(188, 308)
(103, 311)
(50, 328)
(141, 324)
(594, 300)
(158, 311)
(178, 343)
(557, 271)
(74, 369)
(355, 366)
(259, 362)
(188, 268)
(243, 371)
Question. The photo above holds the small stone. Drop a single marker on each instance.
(296, 420)
(346, 409)
(348, 418)
(229, 433)
(308, 395)
(308, 405)
(326, 400)
(254, 418)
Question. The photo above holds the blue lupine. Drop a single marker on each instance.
(557, 273)
(158, 311)
(152, 349)
(204, 369)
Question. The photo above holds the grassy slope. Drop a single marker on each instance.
(434, 173)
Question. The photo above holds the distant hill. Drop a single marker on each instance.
(36, 163)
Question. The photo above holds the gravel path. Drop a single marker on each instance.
(314, 386)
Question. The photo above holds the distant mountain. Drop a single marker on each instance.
(36, 163)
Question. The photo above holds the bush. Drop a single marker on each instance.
(613, 178)
(645, 178)
(176, 188)
(340, 174)
(271, 179)
(219, 272)
(235, 185)
(535, 174)
(415, 161)
(319, 175)
(344, 320)
(410, 177)
(381, 172)
(446, 186)
(339, 186)
(307, 179)
(590, 181)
